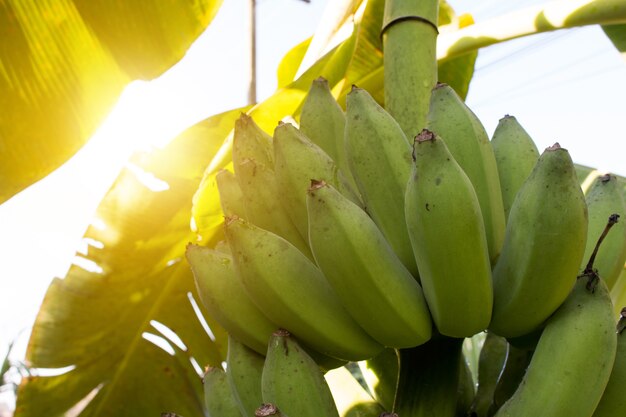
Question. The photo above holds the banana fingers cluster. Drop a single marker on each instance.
(366, 246)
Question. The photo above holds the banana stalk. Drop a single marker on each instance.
(409, 35)
(218, 397)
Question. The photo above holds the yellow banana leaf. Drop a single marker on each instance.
(99, 323)
(63, 64)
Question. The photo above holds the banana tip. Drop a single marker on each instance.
(281, 333)
(266, 409)
(228, 220)
(554, 147)
(316, 184)
(425, 135)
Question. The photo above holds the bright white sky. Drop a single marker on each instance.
(566, 86)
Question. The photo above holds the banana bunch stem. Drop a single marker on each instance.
(409, 36)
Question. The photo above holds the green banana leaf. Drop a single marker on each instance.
(96, 322)
(63, 64)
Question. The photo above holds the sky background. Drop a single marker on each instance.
(567, 86)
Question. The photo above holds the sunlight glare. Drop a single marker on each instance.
(148, 179)
(159, 342)
(87, 264)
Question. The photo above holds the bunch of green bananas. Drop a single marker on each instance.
(369, 247)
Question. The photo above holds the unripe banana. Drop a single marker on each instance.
(381, 376)
(263, 203)
(515, 365)
(244, 371)
(292, 292)
(231, 197)
(572, 363)
(293, 381)
(218, 397)
(543, 248)
(448, 238)
(250, 141)
(603, 199)
(298, 160)
(613, 402)
(466, 390)
(223, 295)
(380, 161)
(516, 155)
(468, 142)
(323, 121)
(429, 379)
(367, 276)
(490, 364)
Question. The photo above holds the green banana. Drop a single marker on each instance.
(543, 248)
(448, 238)
(218, 398)
(297, 161)
(268, 410)
(515, 364)
(323, 121)
(292, 292)
(231, 197)
(263, 203)
(292, 380)
(429, 379)
(516, 155)
(572, 362)
(244, 371)
(613, 401)
(367, 276)
(466, 389)
(380, 161)
(223, 295)
(603, 199)
(491, 361)
(468, 142)
(250, 141)
(253, 163)
(381, 376)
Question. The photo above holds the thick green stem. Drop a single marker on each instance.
(409, 43)
(551, 16)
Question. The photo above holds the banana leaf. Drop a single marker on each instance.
(96, 329)
(617, 35)
(63, 64)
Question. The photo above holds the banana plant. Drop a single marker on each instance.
(133, 339)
